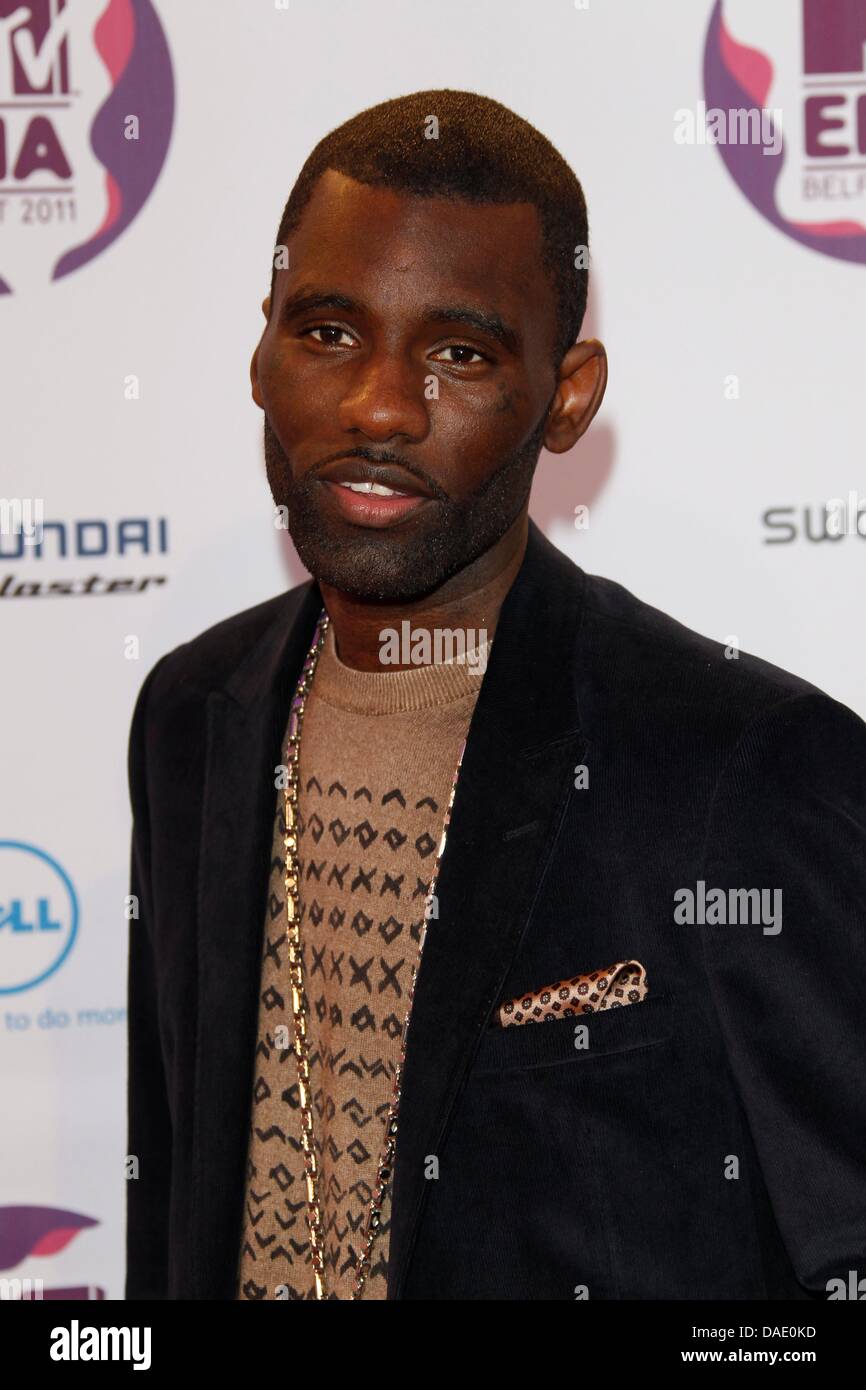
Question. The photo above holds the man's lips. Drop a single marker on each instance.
(361, 471)
(370, 509)
(347, 482)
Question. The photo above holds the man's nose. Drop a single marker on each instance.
(386, 398)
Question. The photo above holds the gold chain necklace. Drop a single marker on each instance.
(300, 1007)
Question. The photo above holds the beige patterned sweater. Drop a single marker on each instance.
(378, 751)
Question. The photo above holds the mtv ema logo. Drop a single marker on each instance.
(86, 108)
(805, 60)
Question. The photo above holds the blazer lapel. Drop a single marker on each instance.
(245, 724)
(518, 770)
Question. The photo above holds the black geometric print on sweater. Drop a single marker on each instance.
(368, 891)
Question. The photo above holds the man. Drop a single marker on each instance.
(633, 1063)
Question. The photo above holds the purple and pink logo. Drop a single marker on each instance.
(805, 59)
(31, 1233)
(86, 110)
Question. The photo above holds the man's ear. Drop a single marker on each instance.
(254, 364)
(579, 393)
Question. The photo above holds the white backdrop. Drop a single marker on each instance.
(736, 386)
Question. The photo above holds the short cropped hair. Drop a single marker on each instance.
(484, 153)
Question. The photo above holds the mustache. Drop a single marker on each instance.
(363, 451)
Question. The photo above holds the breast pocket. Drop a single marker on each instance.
(577, 1039)
(541, 1160)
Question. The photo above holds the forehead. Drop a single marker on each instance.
(393, 250)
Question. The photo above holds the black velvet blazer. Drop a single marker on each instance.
(708, 1142)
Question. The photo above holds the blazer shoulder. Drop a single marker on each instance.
(673, 669)
(206, 661)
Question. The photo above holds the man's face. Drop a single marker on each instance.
(416, 335)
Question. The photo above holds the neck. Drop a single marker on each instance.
(470, 599)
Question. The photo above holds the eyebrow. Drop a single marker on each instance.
(306, 298)
(484, 321)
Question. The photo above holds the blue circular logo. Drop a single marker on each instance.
(38, 916)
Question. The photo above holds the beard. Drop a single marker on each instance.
(405, 562)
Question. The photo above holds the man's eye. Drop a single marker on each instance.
(331, 334)
(464, 355)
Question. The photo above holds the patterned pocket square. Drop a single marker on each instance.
(623, 983)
